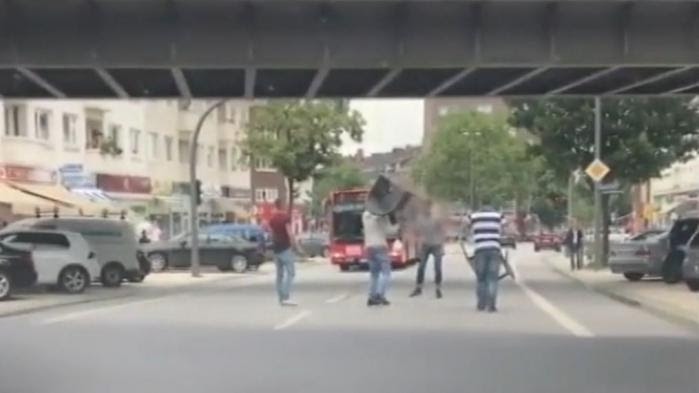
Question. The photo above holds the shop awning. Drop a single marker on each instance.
(25, 204)
(61, 195)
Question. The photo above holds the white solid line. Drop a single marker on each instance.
(556, 313)
(84, 313)
(337, 298)
(296, 318)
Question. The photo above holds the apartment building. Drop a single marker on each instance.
(133, 154)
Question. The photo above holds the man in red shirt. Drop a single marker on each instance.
(282, 239)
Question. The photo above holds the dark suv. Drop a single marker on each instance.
(16, 270)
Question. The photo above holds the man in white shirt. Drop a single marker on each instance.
(486, 226)
(376, 230)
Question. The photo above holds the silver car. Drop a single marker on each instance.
(641, 255)
(690, 266)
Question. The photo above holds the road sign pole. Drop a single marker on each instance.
(598, 193)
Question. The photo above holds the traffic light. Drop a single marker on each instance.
(197, 192)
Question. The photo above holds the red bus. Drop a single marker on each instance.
(344, 209)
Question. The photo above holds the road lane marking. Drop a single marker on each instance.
(558, 315)
(293, 320)
(337, 299)
(93, 311)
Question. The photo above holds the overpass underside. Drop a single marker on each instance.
(344, 48)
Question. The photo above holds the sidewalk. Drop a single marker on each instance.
(673, 302)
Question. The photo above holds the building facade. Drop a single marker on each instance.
(134, 154)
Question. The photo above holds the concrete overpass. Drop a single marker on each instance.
(346, 48)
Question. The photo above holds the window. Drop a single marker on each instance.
(222, 159)
(264, 164)
(39, 239)
(210, 157)
(41, 124)
(115, 134)
(168, 148)
(13, 124)
(70, 132)
(234, 158)
(135, 141)
(183, 151)
(93, 133)
(153, 142)
(266, 194)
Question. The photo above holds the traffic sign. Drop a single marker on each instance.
(597, 170)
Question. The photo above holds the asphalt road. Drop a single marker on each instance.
(551, 335)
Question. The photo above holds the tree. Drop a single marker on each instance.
(640, 136)
(478, 146)
(300, 137)
(341, 175)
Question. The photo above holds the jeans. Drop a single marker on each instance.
(487, 272)
(380, 269)
(285, 273)
(576, 257)
(437, 251)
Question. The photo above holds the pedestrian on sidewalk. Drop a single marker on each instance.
(574, 243)
(431, 235)
(486, 227)
(282, 241)
(376, 230)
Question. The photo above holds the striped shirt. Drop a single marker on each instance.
(486, 227)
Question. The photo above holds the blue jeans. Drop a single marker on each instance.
(285, 273)
(437, 251)
(487, 272)
(380, 269)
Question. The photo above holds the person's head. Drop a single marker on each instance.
(279, 204)
(144, 233)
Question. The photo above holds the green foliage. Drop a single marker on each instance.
(342, 175)
(640, 136)
(479, 145)
(300, 137)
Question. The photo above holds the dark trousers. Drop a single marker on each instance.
(437, 251)
(576, 257)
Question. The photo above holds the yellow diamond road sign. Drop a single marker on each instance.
(597, 170)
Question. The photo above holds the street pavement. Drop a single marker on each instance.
(230, 335)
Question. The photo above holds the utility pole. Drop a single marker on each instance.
(598, 191)
(193, 197)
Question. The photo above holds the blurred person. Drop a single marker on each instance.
(430, 231)
(486, 228)
(574, 244)
(144, 239)
(376, 230)
(282, 241)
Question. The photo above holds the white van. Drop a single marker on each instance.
(114, 242)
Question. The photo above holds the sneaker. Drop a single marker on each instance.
(438, 293)
(373, 301)
(492, 309)
(383, 301)
(416, 292)
(288, 303)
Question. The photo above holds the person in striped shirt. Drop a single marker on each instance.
(486, 226)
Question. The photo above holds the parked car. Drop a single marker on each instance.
(249, 232)
(547, 240)
(224, 251)
(16, 270)
(679, 238)
(508, 240)
(60, 258)
(314, 244)
(641, 255)
(114, 242)
(690, 266)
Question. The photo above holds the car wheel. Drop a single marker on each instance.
(344, 268)
(239, 263)
(112, 275)
(693, 284)
(536, 249)
(158, 262)
(5, 286)
(73, 279)
(633, 276)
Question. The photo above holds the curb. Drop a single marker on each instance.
(658, 311)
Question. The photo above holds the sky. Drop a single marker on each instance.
(389, 123)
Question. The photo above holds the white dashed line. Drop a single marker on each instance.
(337, 299)
(558, 315)
(293, 320)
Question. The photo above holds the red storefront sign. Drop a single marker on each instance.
(27, 174)
(127, 184)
